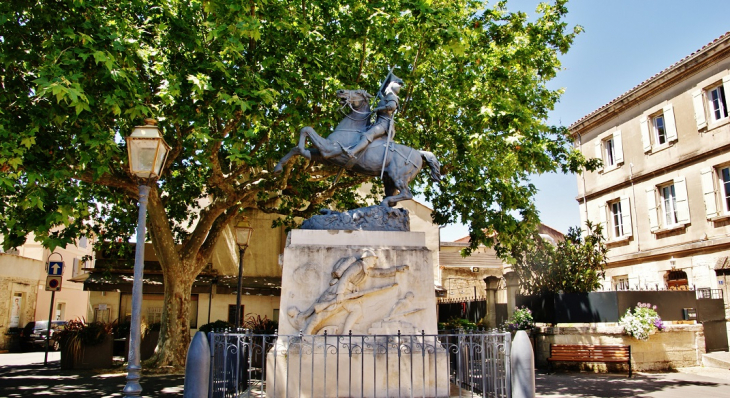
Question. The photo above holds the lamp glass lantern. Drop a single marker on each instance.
(147, 150)
(243, 232)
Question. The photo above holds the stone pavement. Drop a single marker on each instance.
(23, 375)
(692, 382)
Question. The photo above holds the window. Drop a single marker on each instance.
(610, 151)
(669, 204)
(616, 219)
(716, 103)
(620, 282)
(671, 209)
(658, 129)
(711, 103)
(708, 176)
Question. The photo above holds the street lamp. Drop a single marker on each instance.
(147, 152)
(243, 237)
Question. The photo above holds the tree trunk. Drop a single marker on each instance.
(175, 326)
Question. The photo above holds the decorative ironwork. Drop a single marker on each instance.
(477, 364)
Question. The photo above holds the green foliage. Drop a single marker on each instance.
(521, 319)
(213, 326)
(231, 84)
(575, 265)
(642, 322)
(455, 323)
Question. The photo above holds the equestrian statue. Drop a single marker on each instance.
(367, 148)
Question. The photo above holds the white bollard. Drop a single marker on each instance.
(523, 367)
(197, 367)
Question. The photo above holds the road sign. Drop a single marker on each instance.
(53, 283)
(55, 268)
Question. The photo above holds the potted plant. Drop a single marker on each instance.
(258, 325)
(521, 319)
(642, 322)
(86, 345)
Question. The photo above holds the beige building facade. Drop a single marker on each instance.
(663, 194)
(23, 295)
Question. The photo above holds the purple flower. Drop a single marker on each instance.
(658, 324)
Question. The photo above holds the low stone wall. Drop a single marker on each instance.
(675, 347)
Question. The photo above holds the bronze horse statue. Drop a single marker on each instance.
(400, 167)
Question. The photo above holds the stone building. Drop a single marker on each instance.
(663, 194)
(23, 272)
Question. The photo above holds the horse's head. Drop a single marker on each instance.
(356, 99)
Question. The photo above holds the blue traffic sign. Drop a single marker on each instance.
(55, 268)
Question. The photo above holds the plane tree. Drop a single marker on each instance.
(231, 82)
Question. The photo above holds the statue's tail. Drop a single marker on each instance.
(433, 164)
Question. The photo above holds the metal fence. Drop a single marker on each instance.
(461, 364)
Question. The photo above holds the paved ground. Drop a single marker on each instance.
(23, 375)
(696, 382)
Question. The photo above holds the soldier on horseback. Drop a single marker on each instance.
(385, 109)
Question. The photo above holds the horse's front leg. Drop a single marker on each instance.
(280, 166)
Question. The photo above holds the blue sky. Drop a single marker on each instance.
(624, 43)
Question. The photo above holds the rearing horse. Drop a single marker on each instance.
(401, 165)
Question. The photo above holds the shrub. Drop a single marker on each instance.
(521, 319)
(260, 325)
(215, 326)
(456, 323)
(642, 321)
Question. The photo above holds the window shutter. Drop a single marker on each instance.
(651, 204)
(671, 126)
(645, 133)
(726, 86)
(626, 215)
(618, 147)
(708, 191)
(599, 153)
(680, 189)
(699, 105)
(603, 220)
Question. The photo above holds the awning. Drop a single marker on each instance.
(722, 263)
(153, 283)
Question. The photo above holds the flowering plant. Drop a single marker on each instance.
(642, 322)
(521, 319)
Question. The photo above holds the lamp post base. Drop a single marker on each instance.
(133, 388)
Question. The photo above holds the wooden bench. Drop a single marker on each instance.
(590, 353)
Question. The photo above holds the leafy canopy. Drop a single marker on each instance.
(574, 265)
(232, 82)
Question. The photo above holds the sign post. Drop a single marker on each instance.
(53, 284)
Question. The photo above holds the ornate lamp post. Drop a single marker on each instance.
(243, 237)
(147, 152)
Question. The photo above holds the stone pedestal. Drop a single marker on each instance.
(369, 283)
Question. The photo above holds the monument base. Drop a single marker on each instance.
(385, 369)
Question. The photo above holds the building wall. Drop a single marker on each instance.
(653, 248)
(18, 279)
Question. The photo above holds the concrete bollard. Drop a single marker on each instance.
(197, 367)
(523, 366)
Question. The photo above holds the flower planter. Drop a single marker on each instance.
(98, 356)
